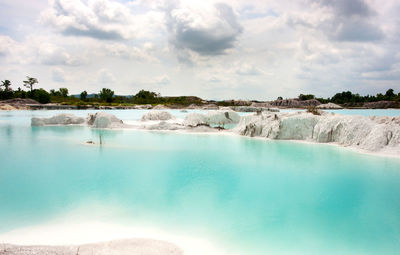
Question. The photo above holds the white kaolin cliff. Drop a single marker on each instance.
(97, 120)
(373, 134)
(60, 119)
(367, 133)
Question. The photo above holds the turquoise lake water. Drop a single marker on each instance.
(251, 196)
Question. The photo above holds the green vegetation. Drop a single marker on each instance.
(40, 95)
(83, 95)
(347, 98)
(313, 110)
(30, 82)
(63, 92)
(107, 97)
(5, 90)
(306, 97)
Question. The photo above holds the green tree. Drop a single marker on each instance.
(19, 93)
(106, 95)
(341, 98)
(63, 92)
(6, 84)
(390, 94)
(7, 92)
(40, 95)
(146, 94)
(55, 93)
(30, 82)
(84, 95)
(306, 97)
(146, 97)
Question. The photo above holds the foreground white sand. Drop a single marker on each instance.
(120, 247)
(96, 235)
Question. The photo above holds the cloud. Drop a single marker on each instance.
(247, 69)
(207, 31)
(58, 75)
(214, 79)
(352, 21)
(6, 44)
(105, 77)
(198, 47)
(340, 20)
(50, 54)
(357, 31)
(100, 19)
(124, 51)
(348, 8)
(161, 80)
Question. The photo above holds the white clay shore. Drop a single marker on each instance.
(372, 135)
(102, 237)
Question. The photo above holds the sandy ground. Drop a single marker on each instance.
(117, 247)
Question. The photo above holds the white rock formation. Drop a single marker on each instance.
(60, 119)
(329, 106)
(253, 109)
(210, 107)
(7, 107)
(194, 119)
(213, 118)
(157, 115)
(160, 107)
(143, 106)
(163, 125)
(104, 120)
(115, 247)
(225, 108)
(367, 133)
(193, 106)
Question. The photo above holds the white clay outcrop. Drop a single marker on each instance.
(214, 118)
(329, 106)
(157, 115)
(59, 119)
(104, 120)
(374, 134)
(160, 107)
(163, 125)
(367, 133)
(194, 119)
(97, 120)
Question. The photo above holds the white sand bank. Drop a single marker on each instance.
(120, 247)
(88, 234)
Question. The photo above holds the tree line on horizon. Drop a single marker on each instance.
(348, 98)
(107, 96)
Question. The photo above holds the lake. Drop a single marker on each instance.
(243, 195)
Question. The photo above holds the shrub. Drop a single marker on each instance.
(40, 95)
(313, 110)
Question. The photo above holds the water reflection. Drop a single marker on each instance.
(8, 131)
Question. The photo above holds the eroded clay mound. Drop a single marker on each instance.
(59, 119)
(214, 118)
(368, 133)
(157, 115)
(104, 120)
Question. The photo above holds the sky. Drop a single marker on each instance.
(236, 49)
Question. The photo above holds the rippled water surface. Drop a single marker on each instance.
(251, 196)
